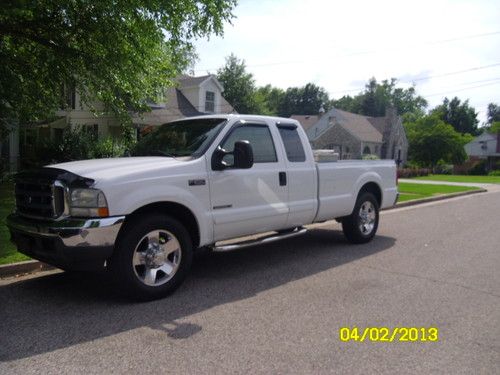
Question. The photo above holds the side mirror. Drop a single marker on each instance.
(242, 154)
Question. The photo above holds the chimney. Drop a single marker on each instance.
(390, 111)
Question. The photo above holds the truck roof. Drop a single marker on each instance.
(241, 117)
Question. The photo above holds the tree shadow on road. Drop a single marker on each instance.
(59, 310)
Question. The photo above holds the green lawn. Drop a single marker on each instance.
(409, 191)
(8, 253)
(460, 178)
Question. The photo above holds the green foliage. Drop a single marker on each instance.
(120, 53)
(494, 173)
(409, 191)
(432, 140)
(107, 148)
(77, 144)
(495, 127)
(461, 116)
(239, 85)
(478, 169)
(370, 157)
(268, 99)
(376, 97)
(306, 100)
(493, 113)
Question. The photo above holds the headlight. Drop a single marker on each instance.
(88, 203)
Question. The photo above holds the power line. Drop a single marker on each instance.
(464, 89)
(367, 52)
(425, 78)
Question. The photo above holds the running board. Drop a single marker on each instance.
(259, 241)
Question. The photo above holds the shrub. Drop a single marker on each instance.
(479, 169)
(494, 173)
(106, 148)
(413, 172)
(443, 168)
(370, 157)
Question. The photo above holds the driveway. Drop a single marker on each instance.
(278, 308)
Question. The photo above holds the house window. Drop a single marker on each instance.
(209, 101)
(366, 150)
(376, 149)
(92, 130)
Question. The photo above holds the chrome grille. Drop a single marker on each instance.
(39, 199)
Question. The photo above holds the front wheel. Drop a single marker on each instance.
(361, 226)
(152, 257)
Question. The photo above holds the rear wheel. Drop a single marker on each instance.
(361, 226)
(153, 257)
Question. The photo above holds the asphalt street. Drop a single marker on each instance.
(278, 308)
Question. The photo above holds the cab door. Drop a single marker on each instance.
(248, 201)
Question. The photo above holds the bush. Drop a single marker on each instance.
(106, 148)
(370, 157)
(413, 172)
(479, 169)
(77, 144)
(494, 173)
(443, 168)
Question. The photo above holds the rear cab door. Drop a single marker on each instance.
(301, 174)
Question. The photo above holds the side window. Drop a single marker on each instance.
(259, 137)
(209, 101)
(293, 145)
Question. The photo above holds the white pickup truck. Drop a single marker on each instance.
(192, 183)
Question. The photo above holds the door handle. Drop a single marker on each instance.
(282, 176)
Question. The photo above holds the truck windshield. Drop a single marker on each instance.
(180, 138)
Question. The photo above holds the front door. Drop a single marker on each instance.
(247, 201)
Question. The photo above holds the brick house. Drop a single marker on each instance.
(353, 135)
(485, 147)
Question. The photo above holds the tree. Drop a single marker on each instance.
(269, 99)
(432, 140)
(306, 100)
(495, 127)
(493, 113)
(376, 97)
(239, 85)
(119, 53)
(461, 116)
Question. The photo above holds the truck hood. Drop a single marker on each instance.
(102, 170)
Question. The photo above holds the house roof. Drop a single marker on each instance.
(186, 81)
(357, 125)
(306, 120)
(177, 106)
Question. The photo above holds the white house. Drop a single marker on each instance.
(192, 96)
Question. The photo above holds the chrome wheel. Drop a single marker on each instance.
(367, 217)
(156, 257)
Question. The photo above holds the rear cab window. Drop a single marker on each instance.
(292, 142)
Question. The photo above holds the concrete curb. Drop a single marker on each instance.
(415, 202)
(32, 266)
(21, 268)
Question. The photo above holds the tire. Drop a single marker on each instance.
(152, 258)
(361, 226)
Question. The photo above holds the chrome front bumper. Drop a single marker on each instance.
(69, 242)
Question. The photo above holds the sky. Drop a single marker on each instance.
(443, 47)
